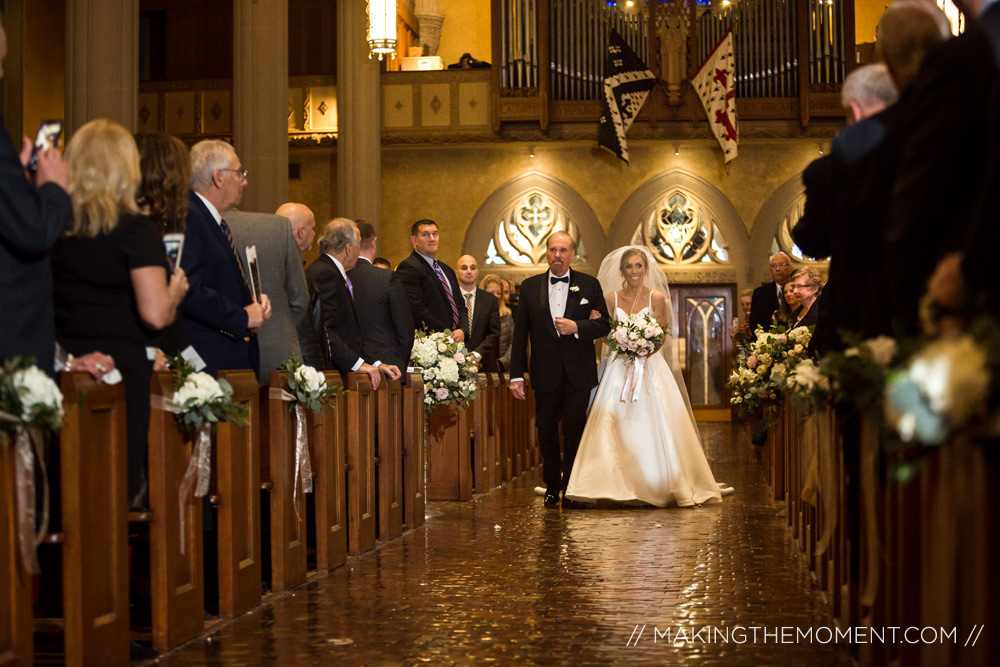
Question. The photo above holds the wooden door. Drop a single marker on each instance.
(702, 314)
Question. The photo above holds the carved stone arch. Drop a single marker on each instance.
(781, 211)
(716, 209)
(566, 208)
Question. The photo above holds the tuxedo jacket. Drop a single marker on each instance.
(484, 336)
(762, 306)
(428, 301)
(337, 314)
(31, 221)
(289, 331)
(380, 303)
(942, 149)
(552, 354)
(212, 311)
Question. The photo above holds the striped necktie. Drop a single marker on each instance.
(447, 291)
(229, 237)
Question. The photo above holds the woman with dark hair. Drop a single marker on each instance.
(165, 165)
(111, 282)
(788, 309)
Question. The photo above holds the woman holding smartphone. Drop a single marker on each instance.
(110, 275)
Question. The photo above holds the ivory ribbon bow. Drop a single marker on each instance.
(303, 465)
(28, 445)
(633, 380)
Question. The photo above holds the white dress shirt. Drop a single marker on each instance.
(211, 209)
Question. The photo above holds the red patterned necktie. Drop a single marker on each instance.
(447, 290)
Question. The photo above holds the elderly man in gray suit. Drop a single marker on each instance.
(279, 260)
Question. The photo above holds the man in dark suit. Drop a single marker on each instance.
(768, 297)
(219, 312)
(290, 331)
(483, 332)
(380, 302)
(340, 243)
(32, 218)
(431, 286)
(942, 150)
(555, 315)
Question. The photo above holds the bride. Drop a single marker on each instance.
(641, 444)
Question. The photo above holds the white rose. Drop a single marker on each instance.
(36, 389)
(882, 349)
(311, 379)
(442, 347)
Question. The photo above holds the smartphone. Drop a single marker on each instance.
(48, 137)
(173, 244)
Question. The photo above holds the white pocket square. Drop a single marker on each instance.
(583, 301)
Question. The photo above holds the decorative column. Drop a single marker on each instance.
(359, 113)
(260, 100)
(102, 61)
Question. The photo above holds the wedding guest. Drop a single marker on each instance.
(510, 296)
(382, 263)
(431, 286)
(110, 274)
(165, 164)
(380, 302)
(220, 313)
(808, 285)
(768, 297)
(493, 284)
(739, 330)
(32, 216)
(482, 334)
(788, 310)
(302, 221)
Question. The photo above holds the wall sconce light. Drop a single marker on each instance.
(820, 148)
(677, 149)
(382, 27)
(531, 151)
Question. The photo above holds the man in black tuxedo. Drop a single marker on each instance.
(555, 315)
(32, 218)
(769, 296)
(380, 302)
(340, 243)
(431, 286)
(219, 312)
(483, 334)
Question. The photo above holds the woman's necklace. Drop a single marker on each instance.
(635, 299)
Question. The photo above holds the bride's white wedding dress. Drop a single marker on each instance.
(642, 452)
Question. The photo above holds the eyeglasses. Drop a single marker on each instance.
(242, 172)
(795, 288)
(780, 266)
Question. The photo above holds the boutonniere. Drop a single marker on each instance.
(574, 288)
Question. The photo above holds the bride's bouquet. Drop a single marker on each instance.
(637, 336)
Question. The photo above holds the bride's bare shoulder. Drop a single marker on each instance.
(658, 297)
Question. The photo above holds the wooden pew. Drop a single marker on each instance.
(237, 475)
(93, 448)
(485, 434)
(390, 459)
(361, 491)
(531, 430)
(177, 579)
(15, 581)
(413, 451)
(287, 513)
(504, 424)
(328, 450)
(449, 454)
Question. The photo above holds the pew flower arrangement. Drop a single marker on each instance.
(28, 398)
(200, 399)
(449, 370)
(309, 386)
(764, 366)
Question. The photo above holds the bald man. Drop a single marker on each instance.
(303, 223)
(482, 334)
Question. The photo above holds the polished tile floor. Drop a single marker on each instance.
(504, 580)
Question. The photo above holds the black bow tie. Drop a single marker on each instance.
(553, 280)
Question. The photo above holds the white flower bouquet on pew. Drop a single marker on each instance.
(450, 371)
(28, 398)
(31, 410)
(308, 385)
(200, 399)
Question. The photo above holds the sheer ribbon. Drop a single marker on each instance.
(633, 380)
(29, 446)
(303, 464)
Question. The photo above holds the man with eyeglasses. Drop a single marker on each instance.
(220, 312)
(769, 296)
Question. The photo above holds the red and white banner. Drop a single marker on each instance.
(715, 84)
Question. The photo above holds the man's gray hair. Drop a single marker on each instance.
(338, 234)
(906, 33)
(208, 157)
(869, 86)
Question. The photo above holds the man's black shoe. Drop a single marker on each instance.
(551, 499)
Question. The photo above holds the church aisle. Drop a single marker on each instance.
(503, 580)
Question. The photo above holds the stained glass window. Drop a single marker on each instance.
(520, 236)
(680, 231)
